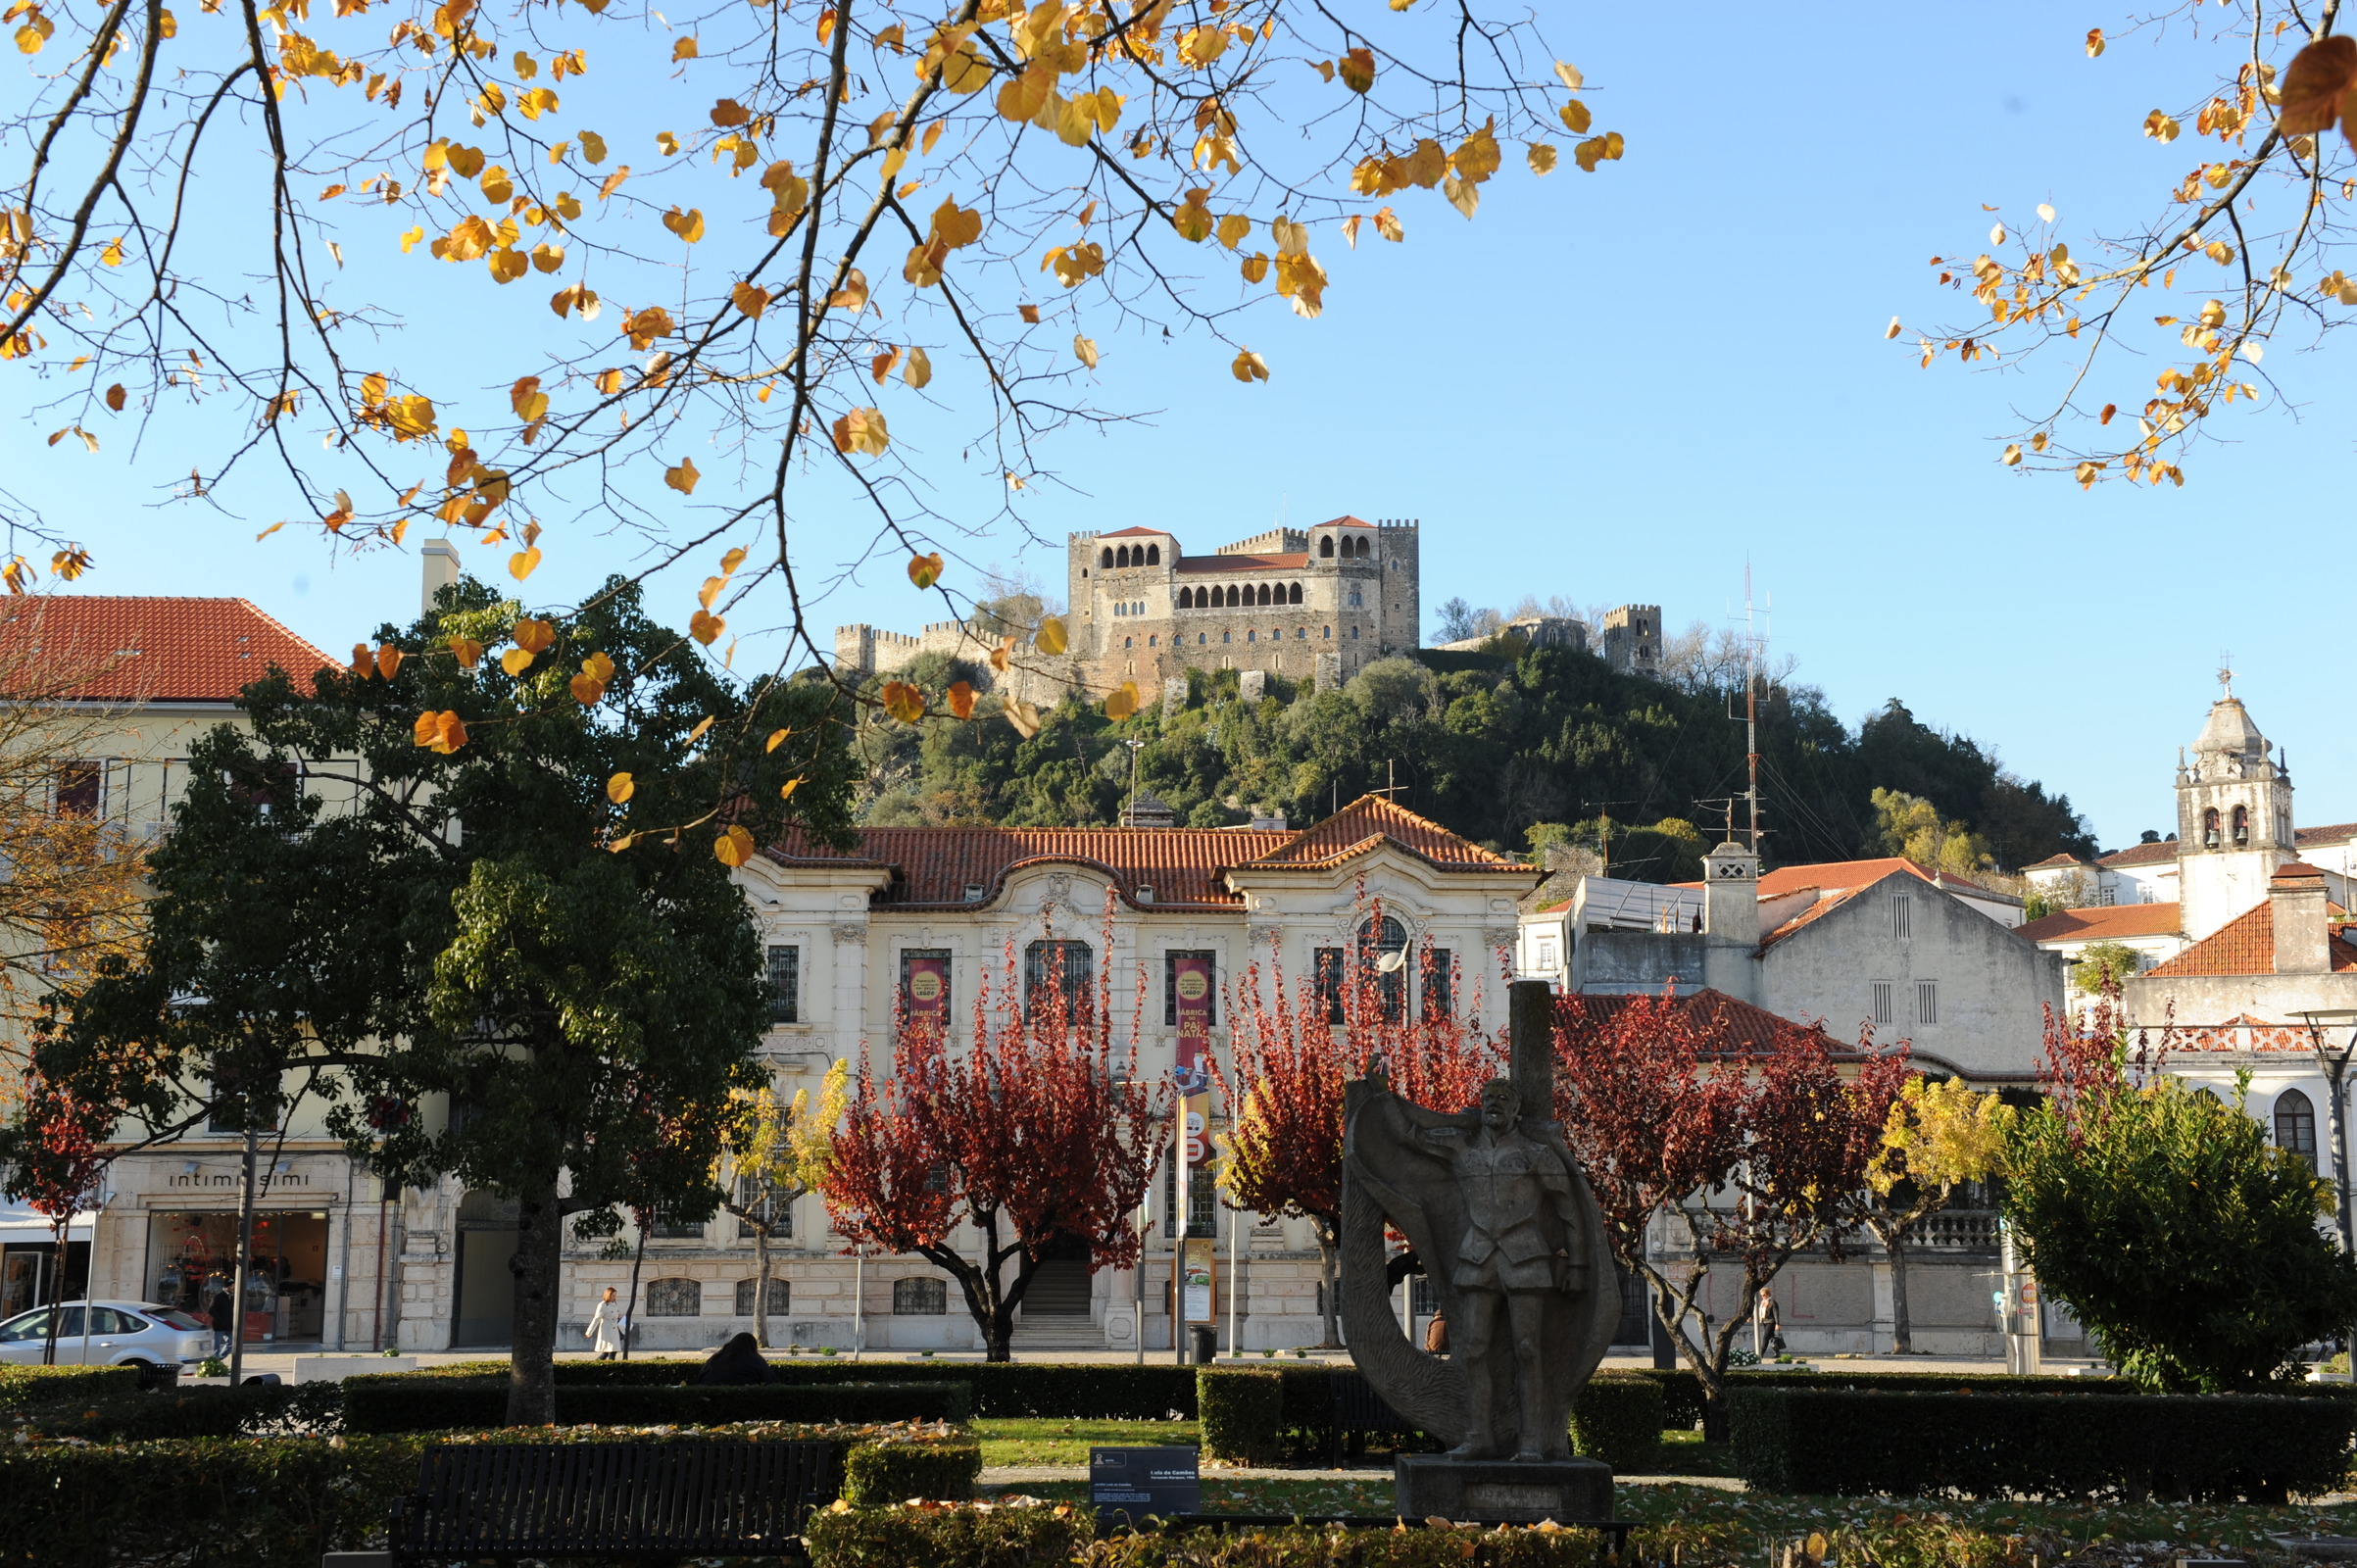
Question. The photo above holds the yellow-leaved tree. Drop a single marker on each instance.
(2245, 253)
(709, 276)
(778, 1151)
(1940, 1135)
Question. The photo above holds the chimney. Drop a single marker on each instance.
(441, 558)
(2296, 898)
(1730, 896)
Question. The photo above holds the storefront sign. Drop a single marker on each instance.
(1126, 1484)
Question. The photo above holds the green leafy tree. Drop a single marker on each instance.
(2105, 967)
(777, 1151)
(480, 898)
(1910, 825)
(2188, 1246)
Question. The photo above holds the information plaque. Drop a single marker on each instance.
(1125, 1485)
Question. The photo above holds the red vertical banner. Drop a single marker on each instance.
(1190, 981)
(926, 987)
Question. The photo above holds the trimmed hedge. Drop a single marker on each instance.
(1242, 1413)
(24, 1388)
(1681, 1397)
(878, 1474)
(980, 1537)
(1000, 1388)
(2114, 1447)
(1618, 1418)
(400, 1403)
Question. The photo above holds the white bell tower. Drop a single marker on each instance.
(2234, 818)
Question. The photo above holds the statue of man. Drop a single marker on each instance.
(1523, 1245)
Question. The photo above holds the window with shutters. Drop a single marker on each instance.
(1927, 1001)
(785, 985)
(1902, 917)
(1882, 1003)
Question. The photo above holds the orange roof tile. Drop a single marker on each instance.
(2140, 854)
(1744, 1029)
(2103, 923)
(1836, 876)
(1292, 563)
(1372, 819)
(2060, 858)
(1822, 907)
(2246, 944)
(2330, 833)
(1132, 533)
(1185, 867)
(123, 648)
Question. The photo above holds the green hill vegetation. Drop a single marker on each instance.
(1527, 752)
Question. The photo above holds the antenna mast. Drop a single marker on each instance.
(1753, 642)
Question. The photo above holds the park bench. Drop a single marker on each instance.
(1357, 1411)
(610, 1500)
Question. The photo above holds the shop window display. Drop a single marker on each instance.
(190, 1266)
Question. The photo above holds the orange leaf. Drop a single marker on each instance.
(468, 652)
(961, 700)
(705, 627)
(925, 570)
(903, 701)
(521, 564)
(534, 636)
(682, 479)
(515, 660)
(586, 690)
(443, 732)
(734, 846)
(388, 661)
(2315, 83)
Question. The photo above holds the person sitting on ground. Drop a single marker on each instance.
(739, 1361)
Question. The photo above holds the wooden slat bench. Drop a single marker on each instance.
(1357, 1411)
(614, 1501)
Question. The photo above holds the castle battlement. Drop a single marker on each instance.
(1275, 542)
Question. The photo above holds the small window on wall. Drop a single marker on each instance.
(1202, 1201)
(1435, 973)
(1927, 1001)
(78, 789)
(666, 1229)
(772, 1206)
(1902, 917)
(781, 1297)
(920, 1296)
(1882, 1003)
(2295, 1125)
(675, 1299)
(1064, 966)
(785, 985)
(1328, 979)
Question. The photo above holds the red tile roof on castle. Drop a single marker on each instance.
(2103, 923)
(1735, 1027)
(1138, 534)
(126, 649)
(2246, 944)
(1292, 563)
(1185, 867)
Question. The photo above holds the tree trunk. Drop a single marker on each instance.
(1901, 1334)
(533, 1336)
(1328, 1258)
(761, 1283)
(57, 1292)
(638, 1261)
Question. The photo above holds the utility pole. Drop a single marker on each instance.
(1753, 642)
(1603, 810)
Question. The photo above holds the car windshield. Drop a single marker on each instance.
(171, 1318)
(26, 1326)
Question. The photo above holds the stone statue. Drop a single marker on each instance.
(1510, 1237)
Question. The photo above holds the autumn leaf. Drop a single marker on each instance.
(1022, 717)
(2094, 42)
(1542, 158)
(683, 477)
(1357, 67)
(534, 636)
(586, 690)
(1051, 639)
(1084, 349)
(593, 146)
(619, 788)
(524, 562)
(961, 700)
(777, 738)
(117, 397)
(2316, 87)
(1248, 367)
(684, 49)
(861, 430)
(466, 650)
(925, 570)
(903, 701)
(853, 295)
(444, 732)
(598, 667)
(705, 626)
(733, 847)
(1121, 701)
(918, 370)
(750, 299)
(515, 660)
(688, 225)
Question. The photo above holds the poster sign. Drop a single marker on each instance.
(1198, 1278)
(1190, 981)
(1126, 1484)
(926, 986)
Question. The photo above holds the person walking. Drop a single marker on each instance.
(605, 1330)
(1771, 1324)
(219, 1309)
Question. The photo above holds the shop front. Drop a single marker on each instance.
(189, 1265)
(28, 1262)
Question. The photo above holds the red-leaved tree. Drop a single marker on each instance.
(1748, 1148)
(56, 1170)
(1032, 1131)
(1283, 1092)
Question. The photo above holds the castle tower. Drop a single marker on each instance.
(2234, 818)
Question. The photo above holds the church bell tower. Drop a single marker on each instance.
(2234, 818)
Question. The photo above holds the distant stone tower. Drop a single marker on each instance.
(1632, 639)
(2234, 819)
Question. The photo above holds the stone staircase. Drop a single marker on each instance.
(1055, 1314)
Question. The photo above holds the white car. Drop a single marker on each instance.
(137, 1334)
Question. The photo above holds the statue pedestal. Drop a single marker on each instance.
(1501, 1491)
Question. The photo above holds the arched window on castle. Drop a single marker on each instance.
(1363, 548)
(2209, 828)
(1121, 557)
(1106, 559)
(1263, 592)
(1233, 601)
(1297, 594)
(1153, 555)
(1325, 547)
(1185, 599)
(2241, 826)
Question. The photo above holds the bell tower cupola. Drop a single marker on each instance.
(2233, 818)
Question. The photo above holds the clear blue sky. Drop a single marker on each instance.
(1620, 386)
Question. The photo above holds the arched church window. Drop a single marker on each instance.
(2241, 825)
(1264, 593)
(1105, 561)
(1295, 594)
(1153, 555)
(2295, 1125)
(1121, 557)
(2209, 828)
(1185, 601)
(1325, 547)
(1232, 599)
(1364, 548)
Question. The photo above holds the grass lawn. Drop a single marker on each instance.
(1027, 1441)
(1685, 1453)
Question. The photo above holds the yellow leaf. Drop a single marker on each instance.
(1387, 222)
(2013, 455)
(1023, 718)
(1120, 704)
(614, 181)
(593, 146)
(586, 690)
(749, 299)
(1085, 350)
(627, 839)
(1576, 118)
(861, 430)
(497, 186)
(515, 660)
(903, 701)
(2094, 42)
(961, 700)
(733, 847)
(112, 256)
(1569, 76)
(705, 628)
(1255, 267)
(1248, 367)
(688, 225)
(522, 564)
(730, 562)
(1357, 67)
(683, 477)
(526, 398)
(1051, 639)
(444, 732)
(534, 636)
(777, 738)
(918, 370)
(925, 570)
(684, 49)
(466, 650)
(1234, 230)
(702, 725)
(853, 295)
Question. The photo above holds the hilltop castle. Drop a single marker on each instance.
(1314, 604)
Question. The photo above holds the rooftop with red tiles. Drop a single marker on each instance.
(2246, 944)
(121, 647)
(2104, 923)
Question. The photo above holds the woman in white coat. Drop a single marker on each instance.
(605, 1329)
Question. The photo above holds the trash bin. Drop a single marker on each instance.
(155, 1377)
(1205, 1341)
